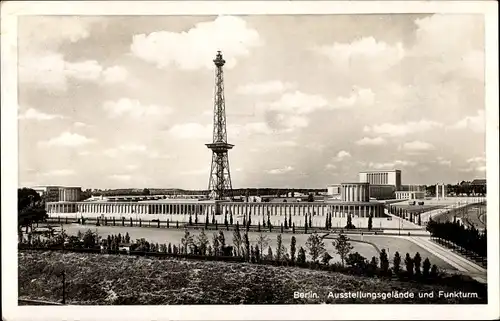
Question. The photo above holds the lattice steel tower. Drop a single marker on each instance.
(219, 183)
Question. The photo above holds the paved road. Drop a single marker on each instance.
(460, 263)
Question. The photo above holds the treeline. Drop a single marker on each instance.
(468, 238)
(217, 247)
(172, 192)
(462, 188)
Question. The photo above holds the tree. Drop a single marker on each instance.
(215, 244)
(31, 208)
(213, 218)
(206, 221)
(290, 220)
(202, 242)
(186, 242)
(257, 254)
(237, 240)
(301, 257)
(127, 238)
(286, 224)
(434, 271)
(409, 264)
(343, 247)
(190, 220)
(247, 246)
(419, 218)
(310, 198)
(396, 263)
(270, 255)
(222, 242)
(316, 246)
(262, 241)
(293, 228)
(326, 258)
(416, 262)
(310, 220)
(281, 227)
(146, 192)
(426, 267)
(356, 260)
(280, 248)
(370, 223)
(349, 224)
(89, 239)
(293, 244)
(384, 262)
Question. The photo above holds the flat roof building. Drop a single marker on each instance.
(387, 177)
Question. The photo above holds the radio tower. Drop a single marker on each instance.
(219, 183)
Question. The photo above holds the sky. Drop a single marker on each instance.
(311, 100)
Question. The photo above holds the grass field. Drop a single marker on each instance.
(93, 279)
(174, 236)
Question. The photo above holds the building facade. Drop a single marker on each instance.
(382, 192)
(70, 194)
(355, 192)
(159, 209)
(392, 177)
(410, 195)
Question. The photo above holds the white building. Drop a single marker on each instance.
(390, 177)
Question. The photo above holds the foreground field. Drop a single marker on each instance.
(93, 279)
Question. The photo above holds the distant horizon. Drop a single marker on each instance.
(235, 188)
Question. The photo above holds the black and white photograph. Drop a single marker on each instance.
(300, 158)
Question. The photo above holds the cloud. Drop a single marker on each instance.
(34, 114)
(454, 37)
(68, 139)
(126, 149)
(367, 141)
(475, 123)
(133, 108)
(59, 172)
(478, 159)
(115, 74)
(191, 131)
(391, 165)
(299, 103)
(196, 48)
(132, 167)
(360, 97)
(417, 146)
(283, 170)
(200, 171)
(264, 88)
(49, 70)
(330, 166)
(341, 156)
(396, 130)
(441, 161)
(365, 53)
(120, 177)
(286, 143)
(79, 124)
